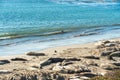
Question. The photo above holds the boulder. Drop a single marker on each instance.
(35, 54)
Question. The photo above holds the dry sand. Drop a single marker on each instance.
(71, 62)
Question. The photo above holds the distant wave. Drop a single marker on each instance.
(87, 30)
(86, 1)
(13, 36)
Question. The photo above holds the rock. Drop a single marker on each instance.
(19, 59)
(35, 54)
(4, 62)
(5, 71)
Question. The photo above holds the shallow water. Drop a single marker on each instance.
(40, 24)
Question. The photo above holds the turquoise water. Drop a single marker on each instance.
(40, 24)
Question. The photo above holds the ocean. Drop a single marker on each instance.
(33, 25)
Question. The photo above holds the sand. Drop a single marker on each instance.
(70, 61)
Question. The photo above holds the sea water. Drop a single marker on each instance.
(33, 25)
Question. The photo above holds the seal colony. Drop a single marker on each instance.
(73, 62)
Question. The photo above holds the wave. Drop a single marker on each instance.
(13, 36)
(87, 1)
(82, 31)
(57, 35)
(28, 33)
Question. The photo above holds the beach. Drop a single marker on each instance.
(72, 62)
(59, 39)
(42, 24)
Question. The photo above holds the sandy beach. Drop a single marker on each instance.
(72, 62)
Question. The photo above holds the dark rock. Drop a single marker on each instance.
(19, 59)
(4, 62)
(35, 54)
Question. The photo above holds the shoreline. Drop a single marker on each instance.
(62, 47)
(35, 45)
